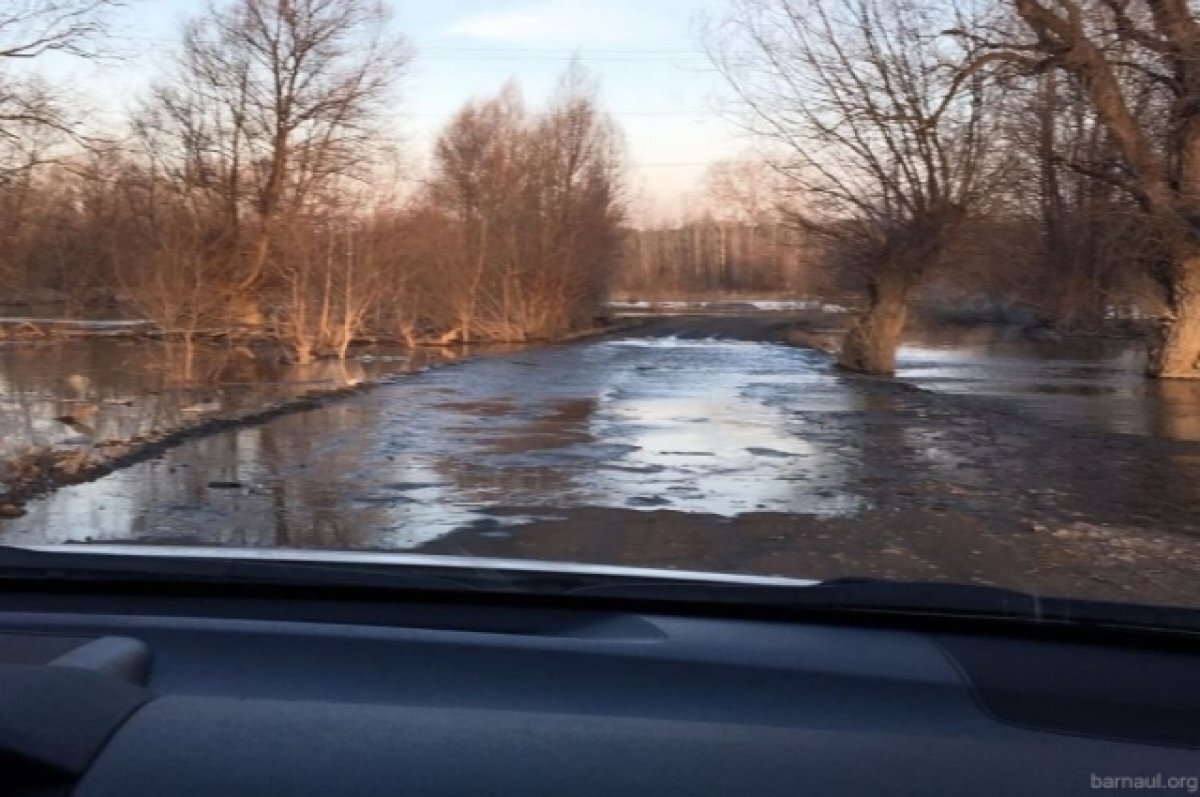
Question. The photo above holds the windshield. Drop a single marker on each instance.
(811, 289)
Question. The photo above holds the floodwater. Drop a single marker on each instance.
(699, 426)
(714, 427)
(120, 387)
(1095, 383)
(637, 307)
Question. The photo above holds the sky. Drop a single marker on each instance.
(652, 74)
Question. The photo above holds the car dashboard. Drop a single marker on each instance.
(190, 692)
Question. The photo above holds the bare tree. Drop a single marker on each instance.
(252, 178)
(1094, 248)
(743, 190)
(272, 102)
(334, 272)
(746, 205)
(534, 204)
(29, 28)
(34, 125)
(32, 119)
(1138, 64)
(576, 160)
(478, 169)
(714, 256)
(876, 125)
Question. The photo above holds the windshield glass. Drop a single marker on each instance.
(816, 289)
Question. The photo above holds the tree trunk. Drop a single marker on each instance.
(304, 352)
(246, 305)
(189, 357)
(870, 345)
(1175, 353)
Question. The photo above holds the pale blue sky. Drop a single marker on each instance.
(644, 52)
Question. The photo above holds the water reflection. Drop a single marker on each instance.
(1175, 409)
(77, 392)
(715, 427)
(698, 426)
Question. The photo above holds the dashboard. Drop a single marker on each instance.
(207, 694)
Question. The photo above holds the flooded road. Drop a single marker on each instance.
(672, 447)
(720, 427)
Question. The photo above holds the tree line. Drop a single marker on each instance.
(712, 257)
(734, 242)
(253, 190)
(1046, 150)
